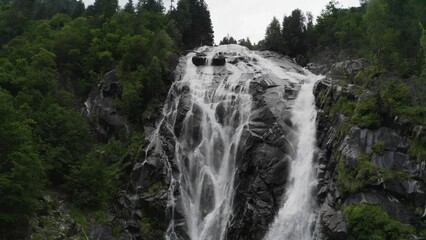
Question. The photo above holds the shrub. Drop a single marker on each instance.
(367, 113)
(378, 148)
(370, 222)
(417, 150)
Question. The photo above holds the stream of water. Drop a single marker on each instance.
(296, 217)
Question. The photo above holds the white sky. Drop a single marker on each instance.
(249, 18)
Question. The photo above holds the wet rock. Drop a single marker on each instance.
(219, 60)
(199, 59)
(333, 223)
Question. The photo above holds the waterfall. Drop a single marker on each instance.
(296, 217)
(210, 113)
(218, 108)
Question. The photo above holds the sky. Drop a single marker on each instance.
(249, 18)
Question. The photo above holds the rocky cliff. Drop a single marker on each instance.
(360, 165)
(263, 147)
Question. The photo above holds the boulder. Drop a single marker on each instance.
(219, 60)
(333, 223)
(199, 59)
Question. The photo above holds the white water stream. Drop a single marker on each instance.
(296, 217)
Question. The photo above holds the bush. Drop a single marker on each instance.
(93, 184)
(367, 113)
(344, 106)
(417, 150)
(378, 148)
(370, 222)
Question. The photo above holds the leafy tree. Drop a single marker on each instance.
(65, 138)
(21, 171)
(381, 35)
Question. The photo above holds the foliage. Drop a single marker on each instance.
(417, 150)
(351, 180)
(150, 230)
(293, 34)
(371, 222)
(193, 19)
(273, 37)
(21, 169)
(366, 113)
(228, 40)
(343, 105)
(246, 43)
(378, 148)
(94, 182)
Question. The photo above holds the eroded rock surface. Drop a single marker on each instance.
(262, 155)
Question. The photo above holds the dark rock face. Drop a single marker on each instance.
(100, 110)
(397, 197)
(262, 161)
(219, 60)
(338, 69)
(199, 59)
(334, 225)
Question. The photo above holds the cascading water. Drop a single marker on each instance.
(218, 109)
(296, 217)
(210, 114)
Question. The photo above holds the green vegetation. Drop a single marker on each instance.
(417, 150)
(366, 113)
(367, 222)
(150, 230)
(364, 172)
(51, 56)
(378, 148)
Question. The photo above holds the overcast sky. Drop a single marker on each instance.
(249, 18)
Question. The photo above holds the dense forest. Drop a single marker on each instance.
(52, 56)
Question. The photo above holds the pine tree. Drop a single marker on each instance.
(273, 37)
(195, 23)
(129, 7)
(293, 33)
(150, 6)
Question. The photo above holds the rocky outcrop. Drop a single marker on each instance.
(100, 109)
(200, 59)
(396, 181)
(261, 163)
(219, 60)
(340, 69)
